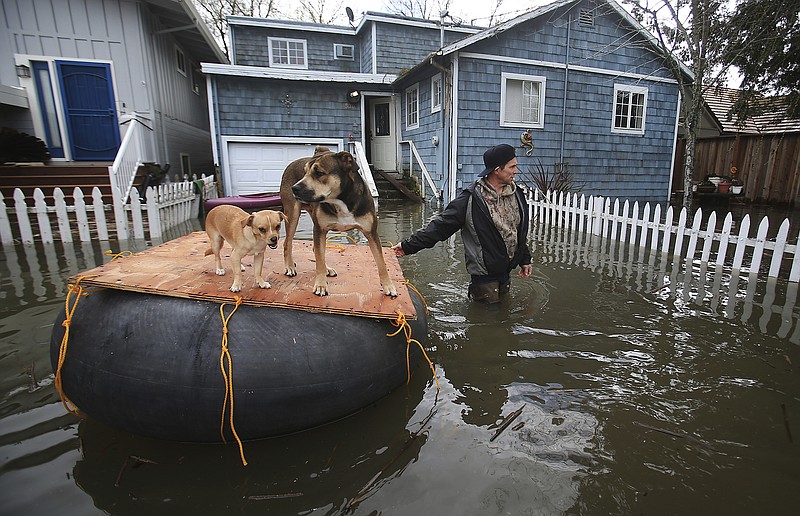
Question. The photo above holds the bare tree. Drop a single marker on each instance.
(215, 12)
(317, 11)
(688, 31)
(428, 9)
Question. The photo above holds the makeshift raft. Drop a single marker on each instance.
(157, 345)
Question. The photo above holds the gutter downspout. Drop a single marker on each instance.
(453, 165)
(566, 83)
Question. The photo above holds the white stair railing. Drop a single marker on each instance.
(414, 155)
(136, 149)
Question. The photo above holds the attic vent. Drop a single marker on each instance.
(342, 51)
(586, 18)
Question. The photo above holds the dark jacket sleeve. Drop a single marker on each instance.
(440, 228)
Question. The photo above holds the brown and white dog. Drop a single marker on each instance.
(248, 234)
(328, 186)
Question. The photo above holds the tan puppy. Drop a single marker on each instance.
(329, 187)
(247, 234)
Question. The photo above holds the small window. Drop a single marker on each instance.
(186, 165)
(436, 93)
(287, 53)
(630, 105)
(412, 107)
(344, 52)
(196, 78)
(522, 101)
(180, 60)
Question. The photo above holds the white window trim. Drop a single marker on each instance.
(632, 89)
(520, 77)
(272, 64)
(435, 108)
(344, 58)
(415, 90)
(179, 60)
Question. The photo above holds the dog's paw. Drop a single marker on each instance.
(390, 290)
(264, 284)
(291, 272)
(236, 288)
(331, 272)
(220, 272)
(321, 289)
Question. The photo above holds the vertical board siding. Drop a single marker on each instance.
(686, 240)
(767, 164)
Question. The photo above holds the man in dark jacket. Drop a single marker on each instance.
(492, 215)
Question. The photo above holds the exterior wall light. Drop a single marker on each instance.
(353, 96)
(23, 70)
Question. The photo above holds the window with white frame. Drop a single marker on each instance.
(436, 93)
(412, 107)
(344, 52)
(522, 100)
(287, 53)
(630, 104)
(180, 61)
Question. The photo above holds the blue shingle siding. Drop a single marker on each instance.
(366, 51)
(401, 47)
(258, 107)
(430, 125)
(252, 50)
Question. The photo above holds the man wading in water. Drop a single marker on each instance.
(492, 215)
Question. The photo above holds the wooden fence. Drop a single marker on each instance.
(88, 218)
(690, 241)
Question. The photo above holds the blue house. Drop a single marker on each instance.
(580, 78)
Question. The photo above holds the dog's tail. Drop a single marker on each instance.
(208, 251)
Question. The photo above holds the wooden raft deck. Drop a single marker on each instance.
(178, 268)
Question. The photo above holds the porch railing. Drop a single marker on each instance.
(425, 176)
(136, 149)
(357, 150)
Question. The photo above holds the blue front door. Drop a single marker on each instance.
(89, 106)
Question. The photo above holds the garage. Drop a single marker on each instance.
(257, 166)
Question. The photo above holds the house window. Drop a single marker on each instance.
(196, 78)
(344, 52)
(287, 53)
(186, 165)
(630, 103)
(436, 93)
(180, 60)
(412, 107)
(522, 101)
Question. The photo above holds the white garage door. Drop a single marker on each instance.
(258, 167)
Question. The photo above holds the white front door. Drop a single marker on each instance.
(382, 127)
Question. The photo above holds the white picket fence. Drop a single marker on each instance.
(644, 226)
(88, 218)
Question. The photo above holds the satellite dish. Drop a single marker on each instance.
(350, 15)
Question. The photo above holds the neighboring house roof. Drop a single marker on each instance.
(188, 28)
(721, 100)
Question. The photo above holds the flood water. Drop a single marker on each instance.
(644, 388)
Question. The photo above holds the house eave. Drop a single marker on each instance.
(260, 72)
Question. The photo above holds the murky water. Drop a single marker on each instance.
(643, 389)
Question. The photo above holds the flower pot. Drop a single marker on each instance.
(736, 189)
(723, 187)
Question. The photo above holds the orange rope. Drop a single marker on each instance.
(403, 326)
(228, 376)
(121, 254)
(69, 311)
(412, 287)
